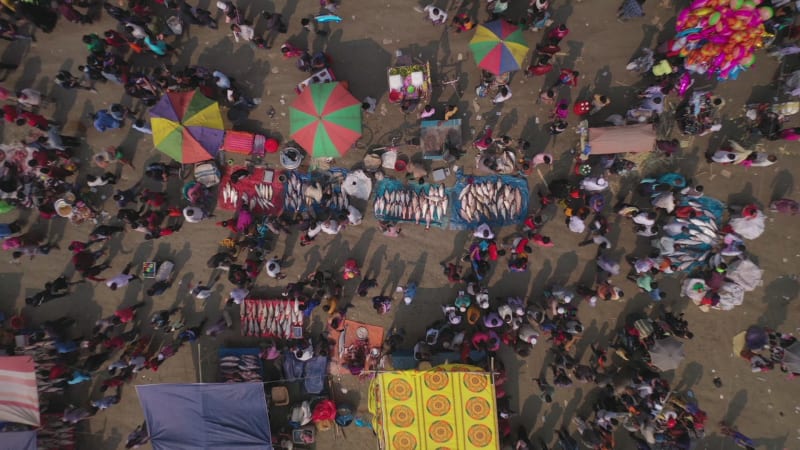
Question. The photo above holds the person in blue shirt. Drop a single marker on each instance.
(9, 229)
(103, 120)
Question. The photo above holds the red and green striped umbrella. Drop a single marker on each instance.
(325, 120)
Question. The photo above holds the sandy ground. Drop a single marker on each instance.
(764, 406)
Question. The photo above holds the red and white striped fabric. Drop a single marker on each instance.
(19, 397)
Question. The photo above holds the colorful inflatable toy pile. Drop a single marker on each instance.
(719, 37)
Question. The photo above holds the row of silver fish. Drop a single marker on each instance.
(489, 201)
(271, 318)
(338, 201)
(429, 205)
(294, 198)
(238, 369)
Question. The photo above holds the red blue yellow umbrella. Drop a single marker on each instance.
(187, 126)
(499, 47)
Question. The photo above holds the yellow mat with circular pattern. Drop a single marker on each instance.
(448, 407)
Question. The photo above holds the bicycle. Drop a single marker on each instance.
(446, 82)
(396, 142)
(365, 140)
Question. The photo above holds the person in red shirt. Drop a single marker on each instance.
(114, 39)
(10, 113)
(34, 120)
(126, 315)
(492, 250)
(685, 212)
(154, 199)
(522, 246)
(558, 33)
(567, 77)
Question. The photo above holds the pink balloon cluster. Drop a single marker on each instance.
(720, 36)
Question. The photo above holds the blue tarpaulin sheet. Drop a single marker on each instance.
(18, 440)
(206, 416)
(459, 223)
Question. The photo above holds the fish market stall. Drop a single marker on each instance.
(281, 319)
(410, 83)
(439, 138)
(497, 200)
(354, 347)
(260, 189)
(702, 233)
(417, 203)
(306, 190)
(450, 406)
(240, 365)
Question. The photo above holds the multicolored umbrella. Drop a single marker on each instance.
(187, 126)
(498, 47)
(325, 120)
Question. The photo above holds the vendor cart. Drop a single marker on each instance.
(323, 76)
(409, 83)
(440, 138)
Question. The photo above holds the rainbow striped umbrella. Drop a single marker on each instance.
(498, 47)
(325, 119)
(187, 126)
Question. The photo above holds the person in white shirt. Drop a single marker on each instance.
(193, 214)
(243, 32)
(435, 15)
(723, 157)
(200, 292)
(30, 98)
(102, 180)
(237, 296)
(273, 267)
(222, 81)
(138, 32)
(122, 279)
(647, 218)
(674, 228)
(483, 232)
(576, 224)
(313, 231)
(142, 126)
(354, 216)
(594, 184)
(502, 95)
(331, 226)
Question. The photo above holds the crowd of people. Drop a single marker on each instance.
(686, 232)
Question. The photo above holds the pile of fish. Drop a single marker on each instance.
(240, 369)
(693, 247)
(489, 201)
(338, 201)
(295, 196)
(426, 205)
(262, 198)
(54, 434)
(230, 195)
(271, 318)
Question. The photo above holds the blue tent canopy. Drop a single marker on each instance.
(18, 440)
(206, 416)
